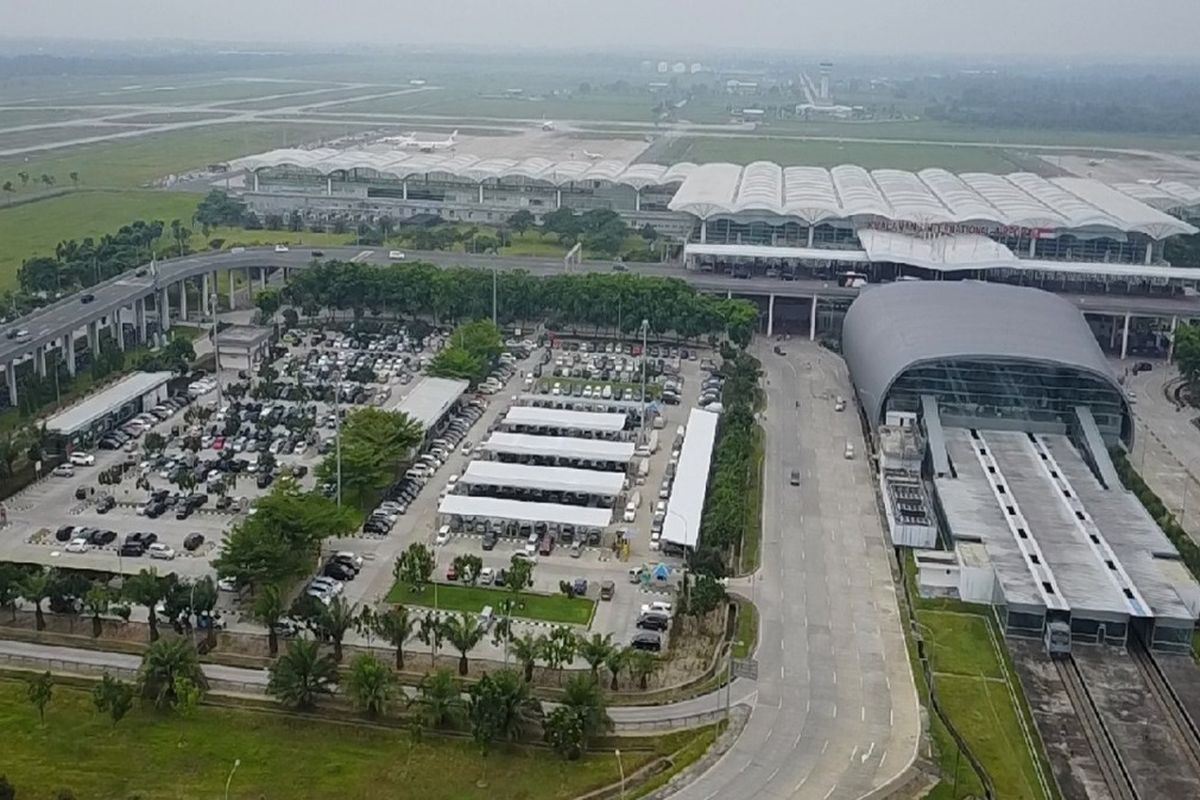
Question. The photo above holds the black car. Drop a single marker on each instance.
(193, 541)
(647, 641)
(501, 578)
(338, 571)
(318, 254)
(100, 537)
(489, 540)
(87, 298)
(653, 622)
(154, 510)
(263, 480)
(183, 511)
(81, 493)
(105, 504)
(64, 533)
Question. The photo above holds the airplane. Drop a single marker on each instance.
(548, 125)
(401, 141)
(412, 142)
(592, 156)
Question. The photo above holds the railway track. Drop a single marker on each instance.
(1185, 731)
(1112, 768)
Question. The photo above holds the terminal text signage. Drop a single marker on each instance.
(958, 228)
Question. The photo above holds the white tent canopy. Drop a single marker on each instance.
(550, 479)
(521, 444)
(493, 508)
(684, 509)
(565, 419)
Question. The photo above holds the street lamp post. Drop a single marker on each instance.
(237, 762)
(337, 431)
(212, 302)
(621, 767)
(645, 330)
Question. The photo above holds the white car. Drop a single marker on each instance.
(396, 255)
(467, 447)
(849, 453)
(64, 471)
(161, 551)
(77, 545)
(486, 576)
(227, 585)
(281, 248)
(657, 607)
(443, 535)
(531, 544)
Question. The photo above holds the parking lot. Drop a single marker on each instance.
(213, 463)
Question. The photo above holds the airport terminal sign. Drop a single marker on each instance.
(958, 228)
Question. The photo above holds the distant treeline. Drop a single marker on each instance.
(1134, 104)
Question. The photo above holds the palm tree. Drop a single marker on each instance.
(24, 176)
(528, 649)
(270, 609)
(335, 619)
(518, 711)
(464, 632)
(164, 664)
(396, 626)
(641, 666)
(302, 674)
(582, 695)
(431, 630)
(35, 587)
(439, 699)
(371, 684)
(614, 662)
(146, 589)
(96, 602)
(595, 651)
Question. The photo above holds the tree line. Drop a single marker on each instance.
(376, 446)
(470, 353)
(24, 178)
(614, 302)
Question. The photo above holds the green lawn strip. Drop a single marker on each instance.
(472, 599)
(984, 715)
(747, 630)
(959, 780)
(687, 755)
(163, 757)
(752, 536)
(959, 644)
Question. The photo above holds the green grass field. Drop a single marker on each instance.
(160, 757)
(35, 228)
(970, 683)
(472, 599)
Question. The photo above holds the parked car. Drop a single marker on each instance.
(82, 459)
(646, 641)
(63, 471)
(160, 551)
(78, 545)
(193, 541)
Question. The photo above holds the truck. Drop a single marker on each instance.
(631, 507)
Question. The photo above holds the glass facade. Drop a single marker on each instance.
(1008, 389)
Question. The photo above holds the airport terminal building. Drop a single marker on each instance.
(993, 410)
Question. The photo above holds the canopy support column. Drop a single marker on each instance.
(812, 320)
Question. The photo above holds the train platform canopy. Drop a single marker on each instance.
(534, 399)
(81, 416)
(430, 399)
(521, 444)
(682, 525)
(547, 479)
(565, 419)
(461, 505)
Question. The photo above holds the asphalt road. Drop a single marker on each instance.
(836, 712)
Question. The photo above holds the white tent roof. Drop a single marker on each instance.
(465, 506)
(550, 479)
(561, 446)
(533, 399)
(565, 419)
(684, 509)
(928, 197)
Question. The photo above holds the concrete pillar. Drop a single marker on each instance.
(231, 297)
(256, 181)
(1125, 337)
(558, 198)
(205, 294)
(262, 273)
(10, 372)
(39, 360)
(729, 294)
(811, 233)
(481, 194)
(637, 199)
(249, 287)
(812, 321)
(93, 332)
(1149, 251)
(118, 330)
(1171, 340)
(69, 350)
(164, 310)
(329, 186)
(1032, 246)
(404, 189)
(703, 231)
(183, 300)
(139, 311)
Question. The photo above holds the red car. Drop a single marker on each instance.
(451, 573)
(219, 443)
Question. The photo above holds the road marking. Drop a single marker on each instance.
(835, 677)
(746, 766)
(781, 673)
(863, 715)
(831, 788)
(835, 710)
(824, 747)
(867, 754)
(768, 737)
(771, 777)
(891, 717)
(882, 758)
(854, 752)
(796, 743)
(807, 703)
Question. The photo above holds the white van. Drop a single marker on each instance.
(487, 618)
(635, 501)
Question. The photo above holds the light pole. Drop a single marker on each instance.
(645, 331)
(237, 762)
(337, 430)
(212, 302)
(494, 293)
(621, 767)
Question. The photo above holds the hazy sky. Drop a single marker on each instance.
(1123, 30)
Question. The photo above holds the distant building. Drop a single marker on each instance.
(679, 68)
(734, 86)
(663, 66)
(697, 67)
(417, 82)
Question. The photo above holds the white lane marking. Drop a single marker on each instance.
(771, 777)
(854, 752)
(892, 717)
(831, 788)
(835, 710)
(768, 737)
(835, 677)
(824, 747)
(867, 754)
(863, 715)
(882, 758)
(796, 743)
(781, 673)
(807, 703)
(746, 766)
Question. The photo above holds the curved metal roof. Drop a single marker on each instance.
(928, 197)
(401, 165)
(893, 327)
